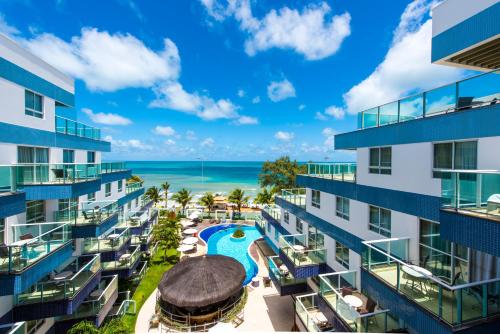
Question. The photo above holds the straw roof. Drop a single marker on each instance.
(202, 281)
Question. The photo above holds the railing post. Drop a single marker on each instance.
(398, 268)
(424, 104)
(484, 311)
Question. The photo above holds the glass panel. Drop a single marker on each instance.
(411, 108)
(370, 118)
(443, 155)
(480, 90)
(466, 155)
(388, 113)
(440, 100)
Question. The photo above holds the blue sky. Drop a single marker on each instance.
(229, 80)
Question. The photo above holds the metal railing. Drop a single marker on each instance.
(126, 261)
(281, 273)
(74, 128)
(93, 213)
(112, 241)
(295, 196)
(306, 307)
(133, 186)
(341, 171)
(473, 92)
(296, 248)
(110, 167)
(14, 328)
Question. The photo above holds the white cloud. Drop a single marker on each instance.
(191, 135)
(107, 119)
(164, 130)
(169, 142)
(335, 112)
(247, 120)
(256, 100)
(320, 116)
(108, 62)
(241, 93)
(208, 142)
(302, 106)
(312, 32)
(329, 134)
(407, 65)
(284, 136)
(128, 145)
(7, 29)
(280, 90)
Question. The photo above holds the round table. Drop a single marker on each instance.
(416, 271)
(96, 294)
(125, 256)
(190, 231)
(63, 275)
(320, 317)
(298, 248)
(190, 241)
(113, 236)
(353, 301)
(185, 248)
(283, 268)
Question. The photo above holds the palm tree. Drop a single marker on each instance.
(208, 200)
(264, 197)
(153, 194)
(166, 186)
(183, 197)
(167, 234)
(135, 178)
(237, 196)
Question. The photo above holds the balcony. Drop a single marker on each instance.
(123, 305)
(73, 128)
(15, 328)
(295, 196)
(132, 190)
(474, 92)
(133, 186)
(61, 292)
(311, 318)
(453, 303)
(110, 246)
(136, 221)
(353, 311)
(301, 258)
(339, 171)
(143, 240)
(284, 281)
(113, 167)
(126, 265)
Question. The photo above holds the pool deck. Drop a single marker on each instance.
(265, 310)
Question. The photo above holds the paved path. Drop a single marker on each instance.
(145, 314)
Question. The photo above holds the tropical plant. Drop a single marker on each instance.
(208, 200)
(237, 196)
(165, 186)
(114, 326)
(153, 194)
(238, 233)
(183, 197)
(167, 234)
(83, 327)
(265, 197)
(280, 174)
(135, 178)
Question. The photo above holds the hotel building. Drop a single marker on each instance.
(407, 237)
(72, 228)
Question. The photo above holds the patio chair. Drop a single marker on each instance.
(369, 307)
(347, 291)
(266, 281)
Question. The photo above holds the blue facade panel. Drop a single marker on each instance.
(11, 72)
(12, 204)
(475, 29)
(420, 205)
(465, 124)
(116, 176)
(61, 191)
(276, 224)
(93, 230)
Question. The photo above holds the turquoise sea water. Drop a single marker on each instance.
(218, 176)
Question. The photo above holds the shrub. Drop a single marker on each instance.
(238, 233)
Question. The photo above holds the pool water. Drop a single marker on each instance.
(221, 243)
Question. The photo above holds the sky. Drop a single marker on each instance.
(230, 79)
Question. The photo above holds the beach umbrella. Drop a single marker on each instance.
(190, 241)
(185, 248)
(194, 215)
(186, 223)
(190, 231)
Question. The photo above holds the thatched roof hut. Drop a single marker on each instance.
(202, 281)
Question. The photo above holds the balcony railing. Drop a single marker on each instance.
(144, 238)
(295, 196)
(274, 211)
(124, 305)
(281, 272)
(14, 328)
(339, 290)
(454, 304)
(135, 218)
(306, 308)
(31, 242)
(87, 213)
(341, 171)
(74, 128)
(111, 242)
(476, 192)
(126, 261)
(63, 285)
(296, 248)
(477, 91)
(133, 186)
(111, 167)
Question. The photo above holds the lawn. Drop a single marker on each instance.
(150, 282)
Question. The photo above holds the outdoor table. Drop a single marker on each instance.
(283, 269)
(185, 248)
(418, 274)
(298, 248)
(320, 317)
(190, 231)
(112, 237)
(353, 301)
(125, 257)
(63, 275)
(190, 241)
(96, 294)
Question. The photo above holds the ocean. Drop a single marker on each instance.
(218, 176)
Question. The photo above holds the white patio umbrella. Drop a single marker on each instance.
(190, 231)
(186, 223)
(185, 248)
(195, 215)
(190, 241)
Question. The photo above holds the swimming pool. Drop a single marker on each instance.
(220, 242)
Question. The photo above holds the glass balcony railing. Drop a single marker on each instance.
(74, 128)
(110, 167)
(477, 91)
(274, 211)
(144, 238)
(281, 273)
(454, 304)
(111, 242)
(87, 213)
(123, 305)
(359, 312)
(126, 261)
(64, 284)
(135, 218)
(133, 186)
(296, 248)
(16, 176)
(341, 171)
(31, 242)
(14, 328)
(474, 192)
(306, 308)
(295, 196)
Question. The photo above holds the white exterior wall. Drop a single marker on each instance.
(9, 154)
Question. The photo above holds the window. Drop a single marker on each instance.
(91, 197)
(454, 155)
(315, 239)
(31, 155)
(120, 185)
(380, 221)
(33, 104)
(35, 212)
(316, 199)
(107, 191)
(380, 160)
(342, 207)
(342, 254)
(299, 226)
(67, 208)
(90, 157)
(286, 217)
(68, 156)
